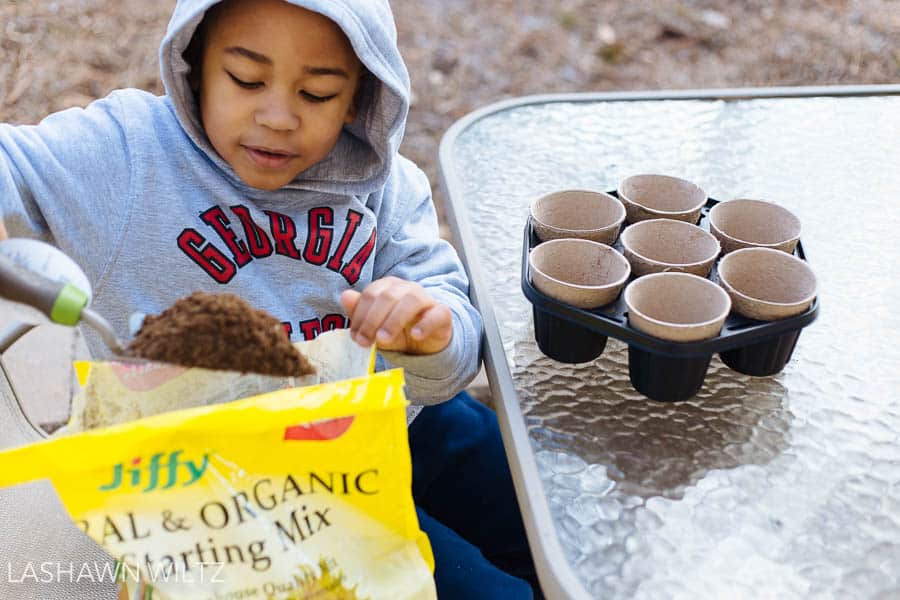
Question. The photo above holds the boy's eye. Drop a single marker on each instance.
(314, 98)
(247, 85)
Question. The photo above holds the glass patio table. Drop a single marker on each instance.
(783, 486)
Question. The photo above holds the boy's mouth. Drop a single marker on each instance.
(268, 158)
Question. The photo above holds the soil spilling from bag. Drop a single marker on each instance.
(219, 331)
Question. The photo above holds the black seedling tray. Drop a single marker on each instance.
(571, 334)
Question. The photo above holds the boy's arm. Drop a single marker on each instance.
(67, 181)
(414, 251)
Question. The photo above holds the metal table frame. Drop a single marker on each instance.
(557, 578)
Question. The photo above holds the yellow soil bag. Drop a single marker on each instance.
(297, 493)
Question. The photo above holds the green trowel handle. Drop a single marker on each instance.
(62, 302)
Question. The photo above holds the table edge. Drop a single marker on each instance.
(557, 578)
(728, 94)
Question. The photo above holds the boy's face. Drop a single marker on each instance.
(277, 84)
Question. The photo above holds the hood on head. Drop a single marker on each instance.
(361, 160)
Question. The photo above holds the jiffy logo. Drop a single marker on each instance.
(185, 472)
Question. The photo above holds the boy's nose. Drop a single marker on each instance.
(277, 116)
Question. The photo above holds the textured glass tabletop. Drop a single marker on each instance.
(784, 486)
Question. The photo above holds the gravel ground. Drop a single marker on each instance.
(463, 54)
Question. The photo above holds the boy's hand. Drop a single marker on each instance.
(398, 315)
(3, 234)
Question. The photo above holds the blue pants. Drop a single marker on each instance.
(467, 505)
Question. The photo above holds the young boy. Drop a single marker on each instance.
(270, 170)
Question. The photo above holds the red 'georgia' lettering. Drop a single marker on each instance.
(215, 218)
(353, 220)
(279, 239)
(257, 240)
(318, 244)
(354, 268)
(283, 232)
(206, 255)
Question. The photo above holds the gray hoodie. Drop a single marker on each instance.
(133, 191)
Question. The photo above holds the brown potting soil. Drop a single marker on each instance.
(219, 331)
